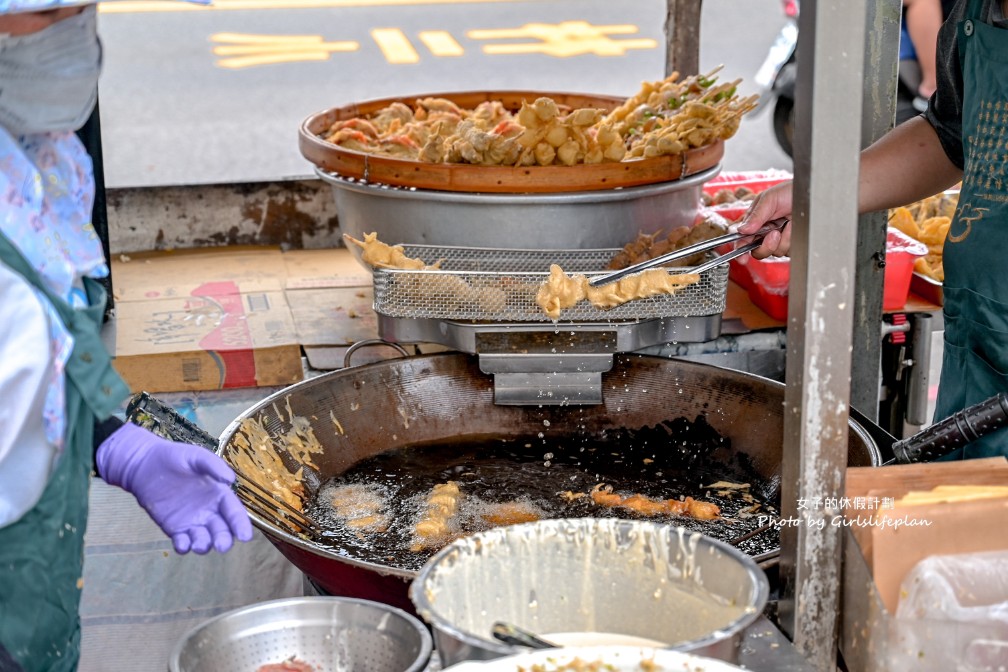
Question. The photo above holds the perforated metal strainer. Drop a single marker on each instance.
(330, 634)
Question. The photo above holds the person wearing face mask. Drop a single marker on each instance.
(57, 384)
(961, 136)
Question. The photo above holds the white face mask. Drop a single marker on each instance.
(49, 79)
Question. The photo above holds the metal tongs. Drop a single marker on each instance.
(703, 246)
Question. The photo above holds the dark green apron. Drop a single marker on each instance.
(975, 365)
(41, 555)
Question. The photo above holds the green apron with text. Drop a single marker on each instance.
(42, 555)
(975, 364)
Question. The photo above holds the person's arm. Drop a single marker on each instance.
(905, 165)
(923, 20)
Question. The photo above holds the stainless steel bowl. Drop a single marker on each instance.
(557, 221)
(328, 633)
(619, 577)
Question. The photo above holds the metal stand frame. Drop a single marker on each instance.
(832, 310)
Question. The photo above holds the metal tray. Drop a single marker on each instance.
(499, 285)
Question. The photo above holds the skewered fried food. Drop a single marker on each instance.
(432, 530)
(603, 495)
(550, 137)
(560, 291)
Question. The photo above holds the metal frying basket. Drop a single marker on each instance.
(483, 301)
(500, 285)
(327, 633)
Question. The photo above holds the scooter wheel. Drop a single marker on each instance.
(783, 124)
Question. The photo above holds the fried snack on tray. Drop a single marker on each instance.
(929, 228)
(670, 116)
(433, 529)
(603, 495)
(560, 291)
(665, 117)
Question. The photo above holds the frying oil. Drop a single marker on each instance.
(513, 481)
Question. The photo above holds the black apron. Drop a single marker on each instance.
(975, 364)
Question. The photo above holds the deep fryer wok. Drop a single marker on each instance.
(417, 400)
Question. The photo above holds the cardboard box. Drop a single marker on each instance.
(893, 541)
(204, 321)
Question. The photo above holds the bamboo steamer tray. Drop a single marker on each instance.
(393, 171)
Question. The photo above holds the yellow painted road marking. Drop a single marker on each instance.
(246, 50)
(441, 43)
(570, 38)
(395, 45)
(134, 6)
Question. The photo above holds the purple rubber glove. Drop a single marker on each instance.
(185, 489)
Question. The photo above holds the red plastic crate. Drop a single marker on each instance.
(757, 180)
(768, 288)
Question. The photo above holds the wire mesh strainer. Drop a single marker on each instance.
(500, 285)
(331, 634)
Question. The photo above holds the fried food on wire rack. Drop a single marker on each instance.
(383, 255)
(649, 246)
(560, 291)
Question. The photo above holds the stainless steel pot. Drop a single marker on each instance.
(607, 218)
(619, 577)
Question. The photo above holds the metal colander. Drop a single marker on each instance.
(500, 285)
(331, 634)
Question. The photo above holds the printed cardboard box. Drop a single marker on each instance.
(204, 321)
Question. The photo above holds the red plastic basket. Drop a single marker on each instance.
(769, 278)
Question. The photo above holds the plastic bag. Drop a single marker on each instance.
(953, 615)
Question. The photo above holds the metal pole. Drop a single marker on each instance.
(682, 32)
(829, 88)
(877, 119)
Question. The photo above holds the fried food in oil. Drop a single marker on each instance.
(560, 291)
(509, 513)
(433, 529)
(360, 507)
(603, 495)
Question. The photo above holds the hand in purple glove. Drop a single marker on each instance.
(185, 489)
